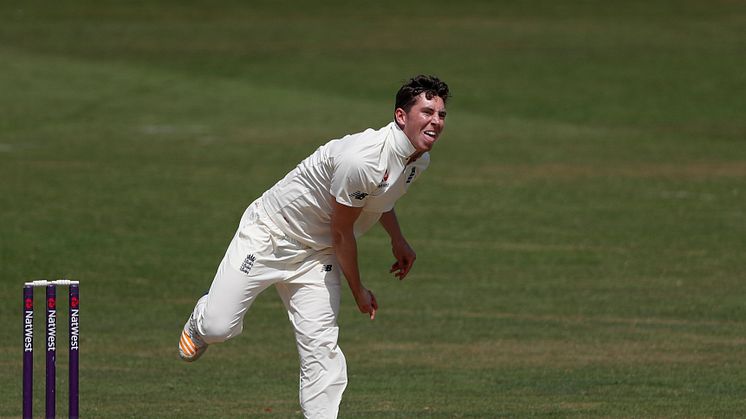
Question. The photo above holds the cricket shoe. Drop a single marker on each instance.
(191, 344)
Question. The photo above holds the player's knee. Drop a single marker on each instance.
(321, 346)
(218, 330)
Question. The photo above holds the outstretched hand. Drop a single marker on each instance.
(405, 257)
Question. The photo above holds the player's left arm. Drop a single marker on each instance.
(403, 252)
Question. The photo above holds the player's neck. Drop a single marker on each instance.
(413, 158)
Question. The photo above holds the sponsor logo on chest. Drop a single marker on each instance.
(384, 183)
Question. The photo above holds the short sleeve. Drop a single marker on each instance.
(351, 184)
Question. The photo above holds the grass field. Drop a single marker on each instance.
(581, 232)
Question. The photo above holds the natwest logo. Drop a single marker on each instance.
(52, 331)
(28, 332)
(74, 328)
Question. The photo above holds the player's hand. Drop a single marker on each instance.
(405, 257)
(366, 302)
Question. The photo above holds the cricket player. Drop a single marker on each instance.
(300, 236)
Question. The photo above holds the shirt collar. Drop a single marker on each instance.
(400, 144)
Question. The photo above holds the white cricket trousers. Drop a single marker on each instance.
(307, 280)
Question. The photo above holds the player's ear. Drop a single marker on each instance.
(400, 116)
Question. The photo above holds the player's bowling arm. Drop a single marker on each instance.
(345, 248)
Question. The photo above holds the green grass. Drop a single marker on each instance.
(581, 232)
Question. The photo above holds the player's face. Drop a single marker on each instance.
(424, 122)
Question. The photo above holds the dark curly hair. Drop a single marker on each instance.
(430, 85)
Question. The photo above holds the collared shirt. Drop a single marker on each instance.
(370, 169)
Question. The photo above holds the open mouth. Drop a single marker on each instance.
(431, 134)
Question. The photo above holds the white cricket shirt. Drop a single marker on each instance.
(368, 169)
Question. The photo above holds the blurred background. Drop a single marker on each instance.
(581, 233)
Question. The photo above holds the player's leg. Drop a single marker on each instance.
(219, 314)
(313, 308)
(230, 296)
(241, 276)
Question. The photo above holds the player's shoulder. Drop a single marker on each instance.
(366, 164)
(362, 148)
(362, 139)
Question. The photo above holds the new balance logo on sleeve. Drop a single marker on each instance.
(358, 195)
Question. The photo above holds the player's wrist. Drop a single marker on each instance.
(398, 239)
(356, 287)
(360, 293)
